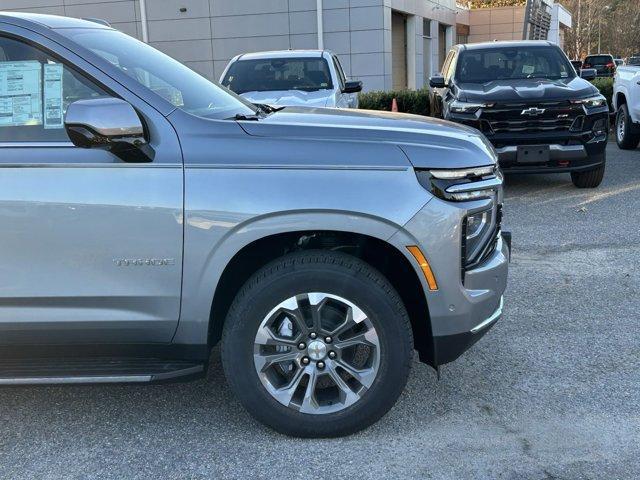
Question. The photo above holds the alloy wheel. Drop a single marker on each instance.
(621, 126)
(317, 353)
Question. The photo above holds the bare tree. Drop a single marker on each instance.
(608, 25)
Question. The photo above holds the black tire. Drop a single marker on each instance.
(336, 274)
(588, 178)
(627, 134)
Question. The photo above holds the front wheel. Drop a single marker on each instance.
(589, 178)
(317, 344)
(627, 134)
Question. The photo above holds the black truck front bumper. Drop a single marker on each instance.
(570, 150)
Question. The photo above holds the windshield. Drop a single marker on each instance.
(634, 61)
(513, 63)
(167, 77)
(278, 74)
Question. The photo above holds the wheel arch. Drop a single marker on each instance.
(391, 261)
(620, 99)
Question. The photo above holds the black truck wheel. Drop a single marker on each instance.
(589, 178)
(317, 344)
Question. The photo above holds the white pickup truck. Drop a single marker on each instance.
(626, 102)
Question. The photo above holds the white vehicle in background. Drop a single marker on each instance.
(626, 102)
(313, 78)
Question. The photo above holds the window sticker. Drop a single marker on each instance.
(53, 117)
(528, 69)
(20, 93)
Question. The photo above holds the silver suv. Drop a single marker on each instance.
(148, 215)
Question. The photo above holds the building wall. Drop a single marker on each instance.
(210, 32)
(506, 23)
(503, 23)
(561, 21)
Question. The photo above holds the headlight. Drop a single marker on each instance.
(479, 233)
(466, 107)
(591, 102)
(463, 173)
(473, 195)
(462, 185)
(476, 223)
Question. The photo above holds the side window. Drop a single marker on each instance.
(338, 66)
(35, 91)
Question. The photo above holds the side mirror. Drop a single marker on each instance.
(108, 124)
(353, 86)
(588, 73)
(437, 81)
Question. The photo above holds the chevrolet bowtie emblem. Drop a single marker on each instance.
(533, 111)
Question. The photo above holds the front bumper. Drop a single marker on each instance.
(459, 313)
(562, 158)
(483, 311)
(569, 151)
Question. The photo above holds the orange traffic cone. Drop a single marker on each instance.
(394, 105)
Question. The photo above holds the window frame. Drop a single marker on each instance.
(342, 78)
(453, 63)
(447, 61)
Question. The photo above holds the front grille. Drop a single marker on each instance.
(509, 118)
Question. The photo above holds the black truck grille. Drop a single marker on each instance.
(521, 118)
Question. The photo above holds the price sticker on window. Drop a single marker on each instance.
(53, 111)
(20, 93)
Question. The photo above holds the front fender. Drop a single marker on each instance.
(619, 89)
(228, 209)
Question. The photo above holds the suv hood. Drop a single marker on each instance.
(319, 98)
(425, 142)
(526, 90)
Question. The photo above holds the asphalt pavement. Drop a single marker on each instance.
(552, 391)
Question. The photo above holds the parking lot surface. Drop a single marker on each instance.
(552, 391)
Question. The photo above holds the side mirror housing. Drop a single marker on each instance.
(353, 86)
(109, 124)
(437, 81)
(588, 73)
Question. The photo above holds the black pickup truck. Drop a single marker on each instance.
(527, 99)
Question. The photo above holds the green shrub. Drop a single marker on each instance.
(605, 85)
(409, 101)
(417, 101)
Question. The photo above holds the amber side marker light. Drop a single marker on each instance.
(424, 266)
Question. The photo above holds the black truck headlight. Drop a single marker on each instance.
(591, 102)
(467, 107)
